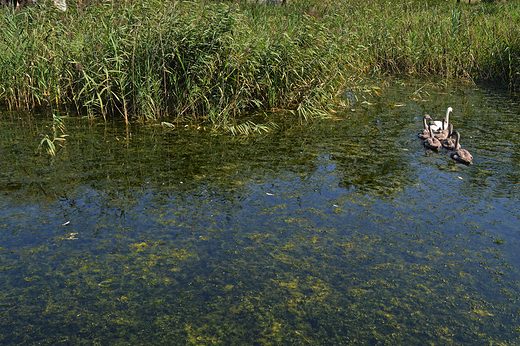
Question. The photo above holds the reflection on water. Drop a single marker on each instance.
(344, 231)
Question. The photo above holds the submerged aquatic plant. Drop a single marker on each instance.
(249, 127)
(48, 142)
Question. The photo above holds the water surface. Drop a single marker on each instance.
(340, 232)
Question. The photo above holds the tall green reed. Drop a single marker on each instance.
(220, 62)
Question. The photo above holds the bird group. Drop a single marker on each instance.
(438, 134)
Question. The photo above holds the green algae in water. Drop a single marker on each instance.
(307, 235)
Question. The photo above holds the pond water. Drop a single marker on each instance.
(339, 232)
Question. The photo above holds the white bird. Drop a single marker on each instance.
(439, 124)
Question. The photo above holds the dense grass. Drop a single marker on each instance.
(218, 61)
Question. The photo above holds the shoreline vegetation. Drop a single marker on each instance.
(219, 62)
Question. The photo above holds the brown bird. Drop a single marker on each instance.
(425, 133)
(459, 154)
(432, 142)
(444, 133)
(449, 143)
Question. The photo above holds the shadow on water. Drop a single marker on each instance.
(343, 231)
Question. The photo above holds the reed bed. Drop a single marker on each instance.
(217, 62)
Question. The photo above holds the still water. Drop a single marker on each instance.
(340, 232)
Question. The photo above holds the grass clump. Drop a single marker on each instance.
(186, 61)
(216, 62)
